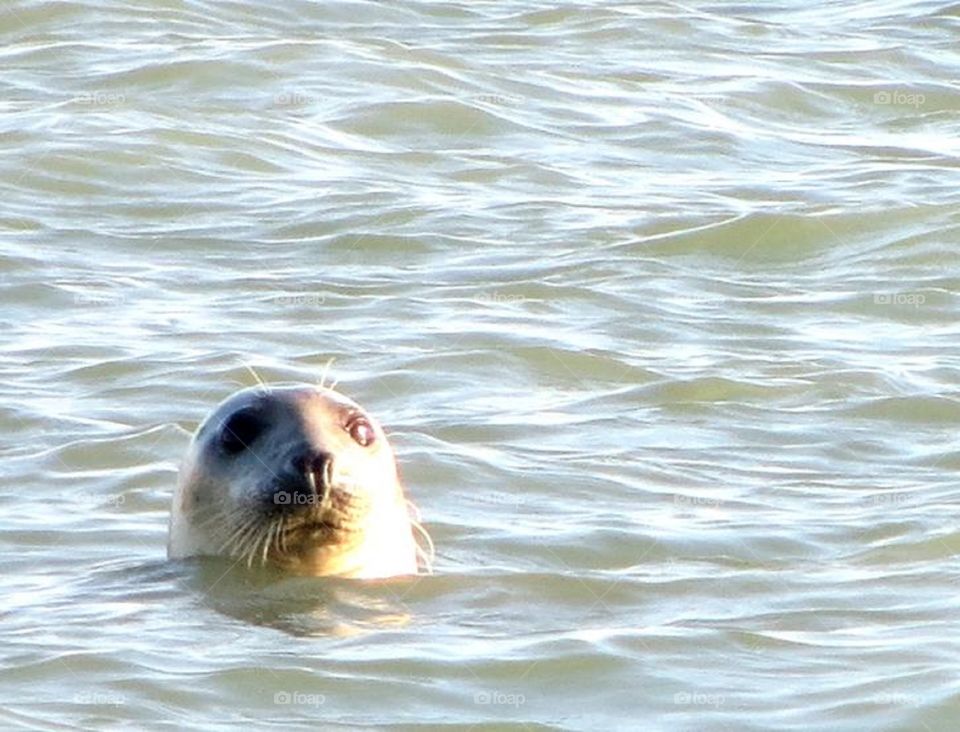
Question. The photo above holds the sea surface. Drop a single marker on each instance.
(658, 302)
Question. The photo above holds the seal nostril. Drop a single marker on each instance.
(319, 470)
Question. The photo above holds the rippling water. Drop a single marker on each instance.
(658, 300)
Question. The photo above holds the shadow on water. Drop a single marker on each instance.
(301, 606)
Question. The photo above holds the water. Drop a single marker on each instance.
(658, 301)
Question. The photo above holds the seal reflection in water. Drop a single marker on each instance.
(300, 477)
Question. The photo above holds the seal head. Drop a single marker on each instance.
(300, 477)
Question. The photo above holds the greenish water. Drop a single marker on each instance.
(658, 302)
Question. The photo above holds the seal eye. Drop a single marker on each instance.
(361, 430)
(240, 430)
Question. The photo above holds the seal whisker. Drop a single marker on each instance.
(268, 541)
(324, 374)
(428, 554)
(282, 536)
(277, 534)
(245, 536)
(284, 533)
(217, 521)
(210, 517)
(260, 382)
(226, 544)
(263, 538)
(265, 543)
(414, 511)
(252, 551)
(236, 543)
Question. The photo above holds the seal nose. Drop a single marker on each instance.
(306, 482)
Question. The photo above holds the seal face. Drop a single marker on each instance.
(297, 476)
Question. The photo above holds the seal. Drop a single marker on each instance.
(299, 477)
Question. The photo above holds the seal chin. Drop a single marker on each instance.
(356, 552)
(347, 535)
